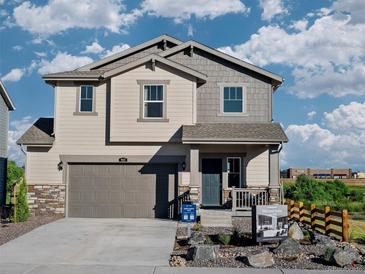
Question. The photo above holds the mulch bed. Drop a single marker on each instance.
(10, 231)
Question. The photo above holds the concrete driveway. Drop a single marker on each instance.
(114, 242)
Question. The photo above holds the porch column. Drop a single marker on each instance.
(274, 177)
(195, 181)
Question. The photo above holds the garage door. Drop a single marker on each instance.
(122, 190)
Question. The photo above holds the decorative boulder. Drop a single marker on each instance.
(322, 243)
(262, 259)
(295, 232)
(289, 249)
(343, 257)
(196, 238)
(203, 253)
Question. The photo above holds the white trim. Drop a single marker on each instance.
(194, 103)
(244, 99)
(240, 172)
(163, 101)
(92, 99)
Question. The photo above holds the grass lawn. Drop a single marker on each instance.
(357, 187)
(357, 231)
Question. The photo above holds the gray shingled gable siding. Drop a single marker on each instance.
(155, 49)
(218, 71)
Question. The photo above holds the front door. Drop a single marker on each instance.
(212, 182)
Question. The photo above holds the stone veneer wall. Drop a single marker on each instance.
(46, 199)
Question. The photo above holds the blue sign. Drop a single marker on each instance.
(188, 213)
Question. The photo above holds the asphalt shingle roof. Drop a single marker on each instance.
(40, 133)
(244, 132)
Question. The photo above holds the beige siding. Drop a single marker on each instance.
(85, 135)
(125, 106)
(257, 169)
(4, 123)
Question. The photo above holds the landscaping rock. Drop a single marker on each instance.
(320, 239)
(344, 257)
(295, 232)
(289, 249)
(197, 238)
(203, 252)
(262, 259)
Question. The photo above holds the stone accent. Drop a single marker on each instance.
(195, 194)
(46, 199)
(274, 196)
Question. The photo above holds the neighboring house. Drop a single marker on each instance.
(6, 105)
(320, 173)
(137, 129)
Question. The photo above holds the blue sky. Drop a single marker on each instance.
(317, 46)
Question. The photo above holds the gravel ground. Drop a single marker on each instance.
(233, 256)
(10, 231)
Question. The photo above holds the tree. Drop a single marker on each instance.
(15, 174)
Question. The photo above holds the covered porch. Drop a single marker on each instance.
(234, 166)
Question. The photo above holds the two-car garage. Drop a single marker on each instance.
(99, 190)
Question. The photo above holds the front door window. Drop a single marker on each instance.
(234, 171)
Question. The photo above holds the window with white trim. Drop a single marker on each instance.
(233, 99)
(153, 101)
(234, 171)
(86, 98)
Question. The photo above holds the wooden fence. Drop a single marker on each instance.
(323, 220)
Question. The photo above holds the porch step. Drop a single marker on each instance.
(216, 217)
(242, 213)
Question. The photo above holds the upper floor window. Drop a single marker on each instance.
(86, 98)
(233, 99)
(153, 101)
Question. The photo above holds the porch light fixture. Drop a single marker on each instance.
(60, 166)
(183, 165)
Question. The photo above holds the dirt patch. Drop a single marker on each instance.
(10, 231)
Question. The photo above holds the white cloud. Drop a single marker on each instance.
(190, 30)
(17, 48)
(40, 53)
(325, 58)
(355, 7)
(115, 49)
(14, 75)
(60, 15)
(184, 10)
(63, 62)
(16, 130)
(349, 117)
(94, 48)
(340, 142)
(311, 115)
(300, 25)
(271, 8)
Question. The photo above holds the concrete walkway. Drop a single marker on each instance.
(108, 269)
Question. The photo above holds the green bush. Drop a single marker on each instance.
(334, 194)
(15, 174)
(224, 239)
(22, 210)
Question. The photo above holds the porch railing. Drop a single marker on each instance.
(245, 198)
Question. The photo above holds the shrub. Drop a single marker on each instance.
(197, 227)
(208, 240)
(15, 174)
(22, 210)
(224, 239)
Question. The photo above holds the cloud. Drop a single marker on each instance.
(271, 8)
(63, 62)
(60, 15)
(300, 25)
(16, 130)
(355, 7)
(14, 75)
(94, 48)
(17, 48)
(184, 10)
(339, 142)
(311, 115)
(190, 30)
(115, 49)
(325, 57)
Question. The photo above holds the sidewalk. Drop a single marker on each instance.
(114, 269)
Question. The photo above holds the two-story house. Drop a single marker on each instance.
(6, 105)
(135, 130)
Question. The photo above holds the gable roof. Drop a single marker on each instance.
(130, 51)
(276, 78)
(96, 75)
(6, 97)
(40, 133)
(227, 132)
(155, 58)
